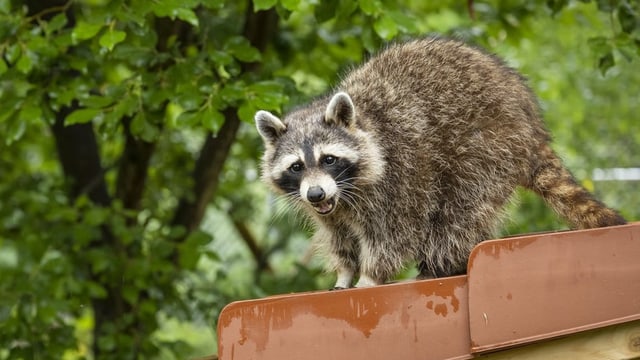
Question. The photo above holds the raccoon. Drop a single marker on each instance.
(414, 156)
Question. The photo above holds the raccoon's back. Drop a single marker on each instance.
(457, 125)
(460, 127)
(433, 85)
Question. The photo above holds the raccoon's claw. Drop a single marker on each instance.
(337, 288)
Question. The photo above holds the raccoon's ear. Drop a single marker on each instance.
(269, 126)
(340, 110)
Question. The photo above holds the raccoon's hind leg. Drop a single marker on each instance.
(426, 272)
(454, 232)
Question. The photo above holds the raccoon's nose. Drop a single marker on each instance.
(315, 194)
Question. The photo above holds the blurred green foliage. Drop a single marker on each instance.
(97, 256)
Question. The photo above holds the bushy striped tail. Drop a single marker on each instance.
(555, 184)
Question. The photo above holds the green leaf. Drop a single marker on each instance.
(95, 216)
(600, 45)
(246, 112)
(15, 128)
(187, 15)
(385, 27)
(142, 128)
(25, 63)
(211, 255)
(212, 4)
(199, 238)
(126, 106)
(629, 19)
(266, 95)
(626, 46)
(242, 50)
(39, 46)
(84, 30)
(5, 6)
(404, 22)
(171, 113)
(212, 119)
(81, 116)
(31, 112)
(107, 343)
(96, 102)
(96, 290)
(188, 118)
(232, 92)
(111, 38)
(603, 49)
(291, 5)
(13, 53)
(130, 294)
(556, 5)
(190, 250)
(345, 9)
(267, 86)
(325, 10)
(606, 62)
(180, 9)
(263, 4)
(56, 23)
(607, 5)
(629, 52)
(8, 259)
(370, 7)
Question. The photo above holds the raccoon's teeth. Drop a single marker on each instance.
(324, 207)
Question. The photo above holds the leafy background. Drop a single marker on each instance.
(130, 206)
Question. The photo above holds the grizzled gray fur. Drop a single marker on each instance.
(414, 156)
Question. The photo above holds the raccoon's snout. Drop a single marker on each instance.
(320, 191)
(315, 194)
(317, 199)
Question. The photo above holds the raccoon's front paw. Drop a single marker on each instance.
(368, 281)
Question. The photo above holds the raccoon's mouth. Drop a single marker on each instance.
(324, 207)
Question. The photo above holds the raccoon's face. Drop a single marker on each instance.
(315, 156)
(320, 174)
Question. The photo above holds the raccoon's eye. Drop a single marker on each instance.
(296, 167)
(329, 160)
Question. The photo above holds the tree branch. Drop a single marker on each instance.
(50, 9)
(134, 164)
(206, 173)
(258, 255)
(259, 28)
